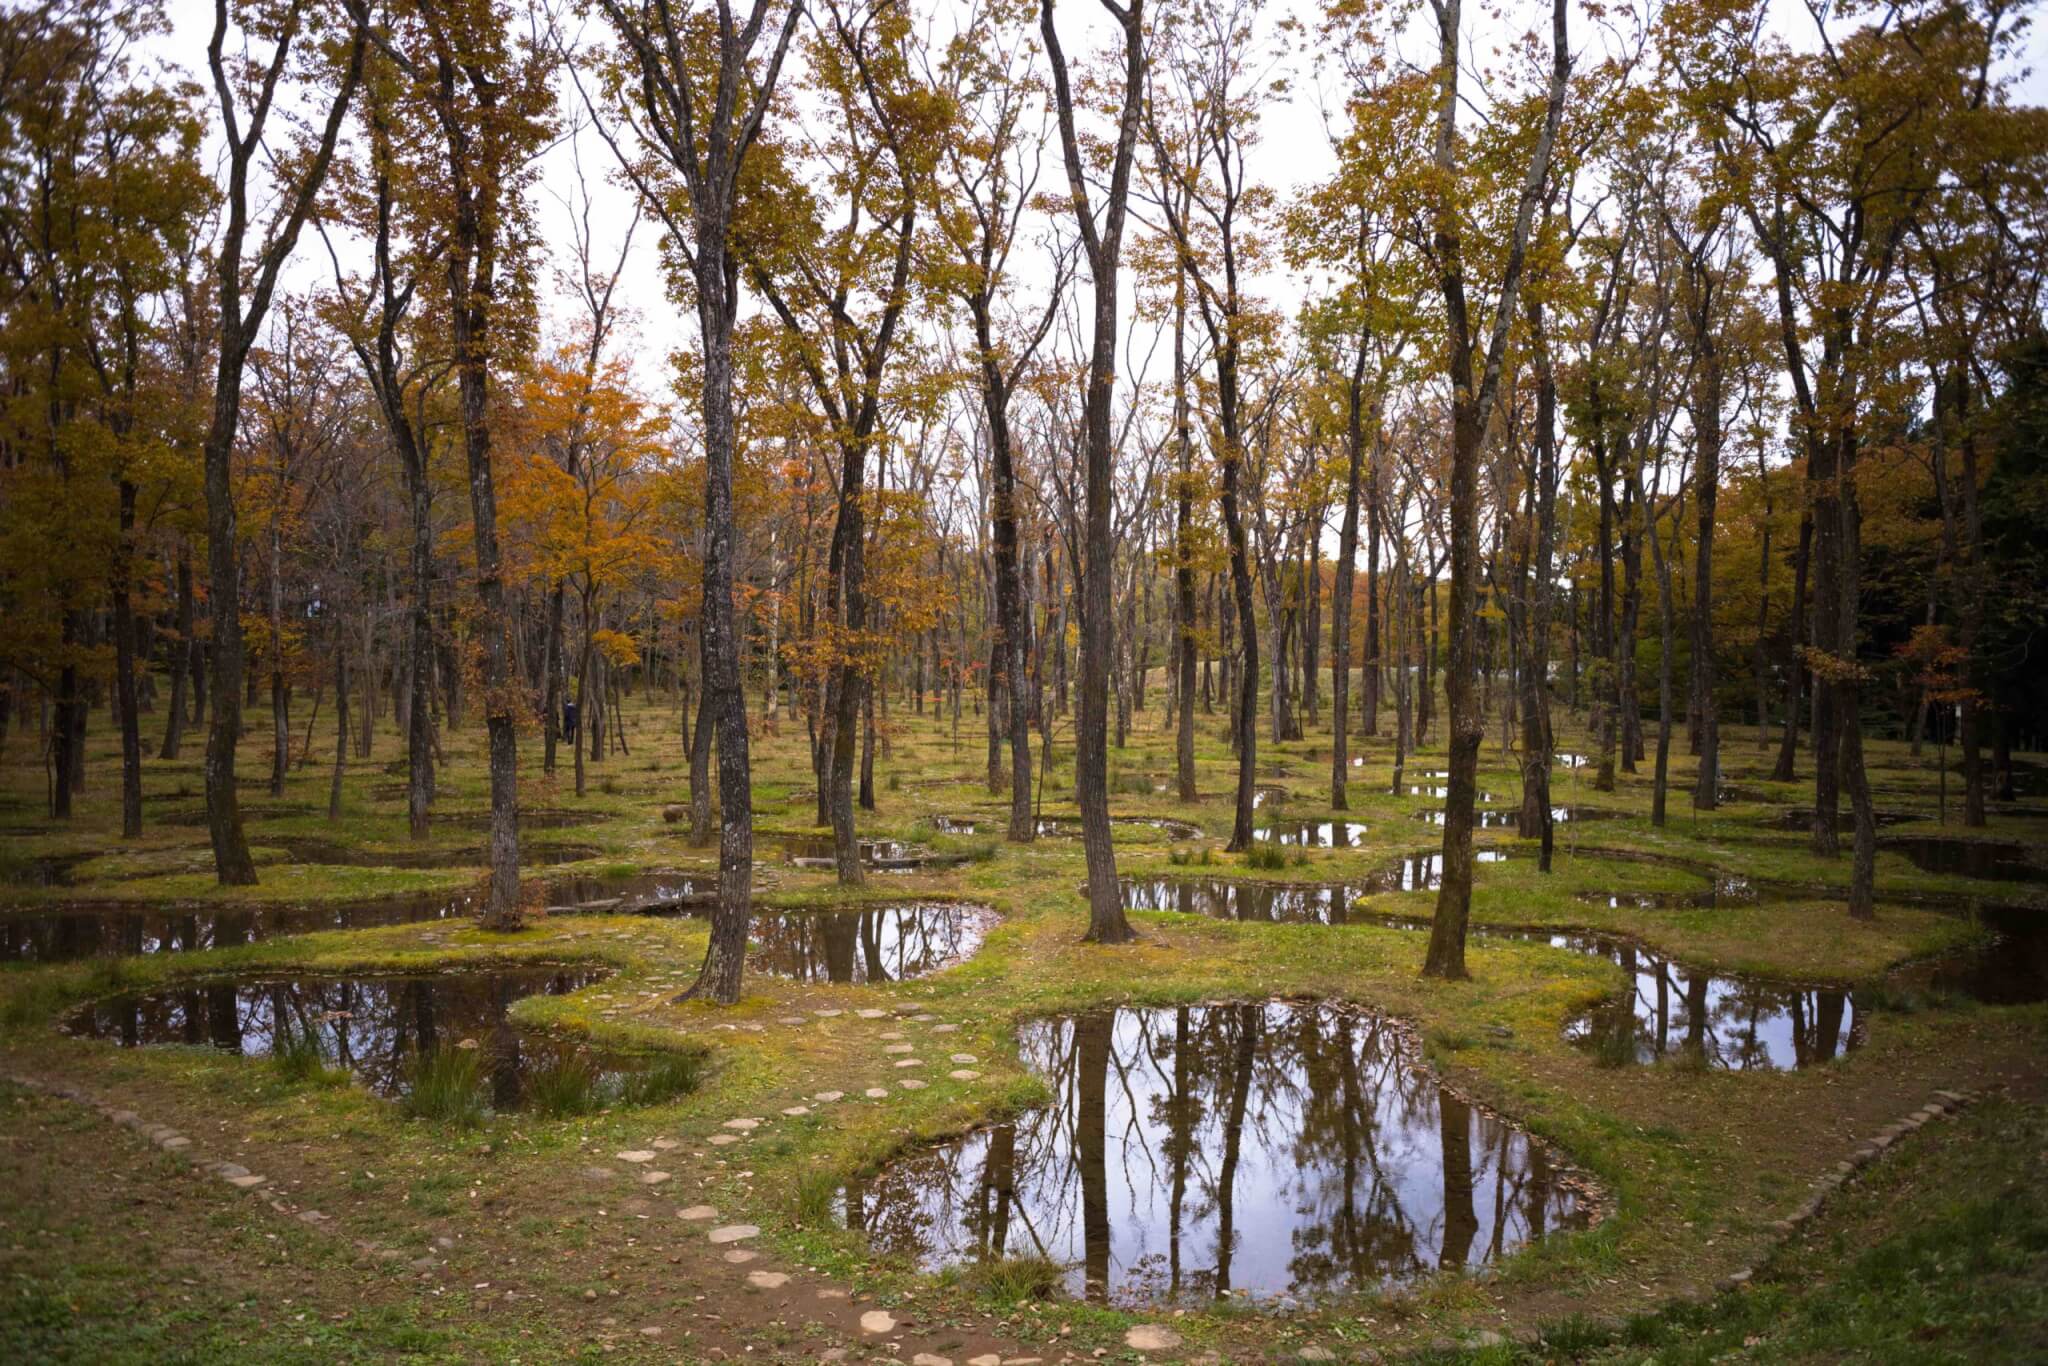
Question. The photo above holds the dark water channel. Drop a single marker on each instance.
(1276, 1149)
(1511, 817)
(1991, 859)
(374, 1027)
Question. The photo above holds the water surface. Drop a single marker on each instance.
(1276, 1149)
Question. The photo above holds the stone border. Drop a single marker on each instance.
(1942, 1103)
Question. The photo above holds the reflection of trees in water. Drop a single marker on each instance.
(1736, 1023)
(1271, 1148)
(65, 933)
(1263, 902)
(371, 1026)
(886, 944)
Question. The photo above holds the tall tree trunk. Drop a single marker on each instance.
(184, 659)
(124, 669)
(1706, 421)
(1347, 571)
(340, 730)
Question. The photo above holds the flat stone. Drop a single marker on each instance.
(767, 1280)
(827, 1097)
(739, 1256)
(964, 1059)
(1151, 1337)
(173, 1143)
(871, 1013)
(720, 1140)
(892, 1034)
(878, 1321)
(636, 1155)
(901, 1048)
(828, 1014)
(911, 1084)
(797, 1111)
(876, 1092)
(831, 1293)
(651, 1178)
(247, 1182)
(928, 1359)
(733, 1233)
(964, 1074)
(744, 1126)
(228, 1171)
(1317, 1354)
(946, 1029)
(696, 1212)
(985, 1359)
(665, 1144)
(910, 1062)
(792, 1020)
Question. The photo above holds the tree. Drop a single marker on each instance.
(695, 98)
(246, 87)
(1102, 244)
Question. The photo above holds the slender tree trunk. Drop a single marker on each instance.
(124, 669)
(340, 730)
(184, 659)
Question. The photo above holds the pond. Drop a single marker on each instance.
(818, 851)
(1439, 792)
(1511, 818)
(1069, 827)
(1313, 834)
(1309, 903)
(1270, 1150)
(893, 943)
(1421, 872)
(1729, 1022)
(1730, 890)
(374, 1027)
(75, 930)
(1969, 858)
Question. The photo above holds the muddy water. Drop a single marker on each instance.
(876, 944)
(1273, 1150)
(372, 1026)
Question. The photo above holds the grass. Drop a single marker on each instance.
(446, 1085)
(301, 1061)
(565, 1084)
(1692, 1165)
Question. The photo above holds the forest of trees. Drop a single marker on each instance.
(1680, 364)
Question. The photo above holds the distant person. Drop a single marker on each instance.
(569, 719)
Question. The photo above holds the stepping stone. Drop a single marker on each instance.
(877, 1092)
(247, 1182)
(669, 1144)
(965, 1074)
(831, 1294)
(828, 1014)
(652, 1178)
(636, 1155)
(228, 1171)
(878, 1321)
(739, 1256)
(792, 1020)
(697, 1212)
(901, 1048)
(767, 1280)
(173, 1143)
(720, 1140)
(733, 1233)
(1317, 1354)
(893, 1034)
(797, 1111)
(827, 1097)
(985, 1359)
(1150, 1337)
(745, 1126)
(872, 1014)
(911, 1084)
(910, 1062)
(965, 1058)
(928, 1359)
(923, 1019)
(946, 1029)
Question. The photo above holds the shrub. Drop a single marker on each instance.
(447, 1085)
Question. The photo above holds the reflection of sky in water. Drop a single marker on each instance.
(1738, 1023)
(1313, 834)
(61, 933)
(1272, 1149)
(882, 944)
(372, 1026)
